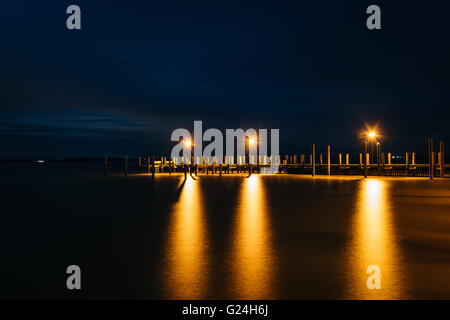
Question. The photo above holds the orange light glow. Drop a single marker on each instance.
(372, 134)
(252, 260)
(187, 265)
(374, 242)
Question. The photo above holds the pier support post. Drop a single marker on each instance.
(430, 158)
(106, 166)
(313, 160)
(365, 160)
(148, 164)
(126, 166)
(185, 171)
(220, 170)
(407, 164)
(321, 159)
(153, 166)
(442, 164)
(378, 157)
(347, 159)
(340, 160)
(389, 158)
(360, 161)
(139, 164)
(329, 160)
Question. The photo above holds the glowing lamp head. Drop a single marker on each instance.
(251, 141)
(188, 143)
(372, 134)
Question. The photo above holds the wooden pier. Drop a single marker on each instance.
(293, 164)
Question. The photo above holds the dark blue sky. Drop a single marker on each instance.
(139, 69)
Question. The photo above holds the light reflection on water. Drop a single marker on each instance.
(252, 259)
(374, 243)
(187, 261)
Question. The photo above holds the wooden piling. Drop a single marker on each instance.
(139, 164)
(442, 164)
(148, 164)
(378, 157)
(321, 160)
(433, 162)
(430, 158)
(313, 160)
(365, 160)
(329, 160)
(389, 158)
(340, 160)
(407, 163)
(106, 166)
(185, 171)
(126, 166)
(153, 166)
(347, 160)
(220, 170)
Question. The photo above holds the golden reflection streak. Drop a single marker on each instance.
(252, 259)
(374, 243)
(187, 264)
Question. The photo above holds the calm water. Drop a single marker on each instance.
(284, 236)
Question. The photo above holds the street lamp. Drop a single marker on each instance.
(251, 143)
(188, 144)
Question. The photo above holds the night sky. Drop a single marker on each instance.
(137, 70)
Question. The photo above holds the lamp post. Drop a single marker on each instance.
(188, 144)
(372, 136)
